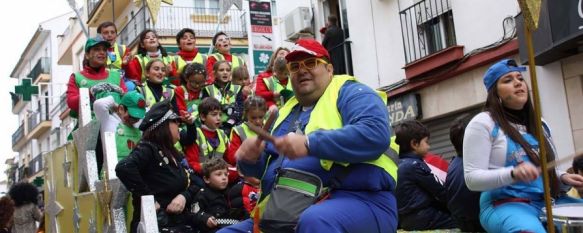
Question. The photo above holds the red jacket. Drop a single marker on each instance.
(90, 73)
(262, 90)
(180, 101)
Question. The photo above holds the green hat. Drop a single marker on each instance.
(135, 103)
(94, 41)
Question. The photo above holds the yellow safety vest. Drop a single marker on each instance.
(118, 51)
(236, 61)
(242, 131)
(205, 148)
(144, 61)
(230, 96)
(325, 116)
(149, 95)
(273, 85)
(181, 63)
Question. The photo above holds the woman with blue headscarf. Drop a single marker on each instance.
(501, 156)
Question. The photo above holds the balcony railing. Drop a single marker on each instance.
(23, 173)
(36, 118)
(43, 66)
(91, 6)
(173, 19)
(35, 165)
(18, 134)
(427, 27)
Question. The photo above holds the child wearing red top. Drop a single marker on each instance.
(270, 87)
(253, 113)
(222, 44)
(148, 49)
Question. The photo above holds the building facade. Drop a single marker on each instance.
(430, 57)
(132, 18)
(38, 63)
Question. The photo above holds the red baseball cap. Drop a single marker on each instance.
(305, 48)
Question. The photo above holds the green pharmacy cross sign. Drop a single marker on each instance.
(26, 89)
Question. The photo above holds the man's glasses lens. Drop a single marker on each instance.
(309, 63)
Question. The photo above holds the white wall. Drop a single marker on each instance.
(479, 22)
(555, 109)
(377, 47)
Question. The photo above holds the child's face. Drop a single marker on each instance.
(109, 34)
(255, 117)
(218, 179)
(242, 81)
(195, 82)
(157, 72)
(212, 120)
(422, 147)
(223, 73)
(125, 116)
(150, 42)
(223, 44)
(187, 42)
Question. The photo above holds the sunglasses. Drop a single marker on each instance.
(309, 64)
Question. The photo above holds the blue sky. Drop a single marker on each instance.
(18, 22)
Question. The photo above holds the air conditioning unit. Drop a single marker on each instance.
(298, 21)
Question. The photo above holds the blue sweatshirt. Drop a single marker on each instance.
(365, 136)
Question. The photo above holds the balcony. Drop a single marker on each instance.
(172, 19)
(99, 11)
(17, 103)
(18, 138)
(427, 28)
(38, 123)
(41, 71)
(23, 173)
(36, 165)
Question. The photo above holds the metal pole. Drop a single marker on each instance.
(73, 6)
(538, 128)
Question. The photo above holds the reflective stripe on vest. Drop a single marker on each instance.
(126, 139)
(181, 63)
(243, 132)
(206, 151)
(117, 52)
(273, 85)
(143, 60)
(325, 116)
(167, 93)
(235, 60)
(229, 98)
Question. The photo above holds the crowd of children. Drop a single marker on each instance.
(215, 103)
(213, 99)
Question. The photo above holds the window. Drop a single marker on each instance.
(427, 28)
(209, 6)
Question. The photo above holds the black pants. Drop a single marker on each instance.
(426, 219)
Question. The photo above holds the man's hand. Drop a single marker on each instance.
(177, 204)
(250, 150)
(292, 145)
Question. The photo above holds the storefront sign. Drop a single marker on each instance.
(261, 33)
(404, 108)
(559, 34)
